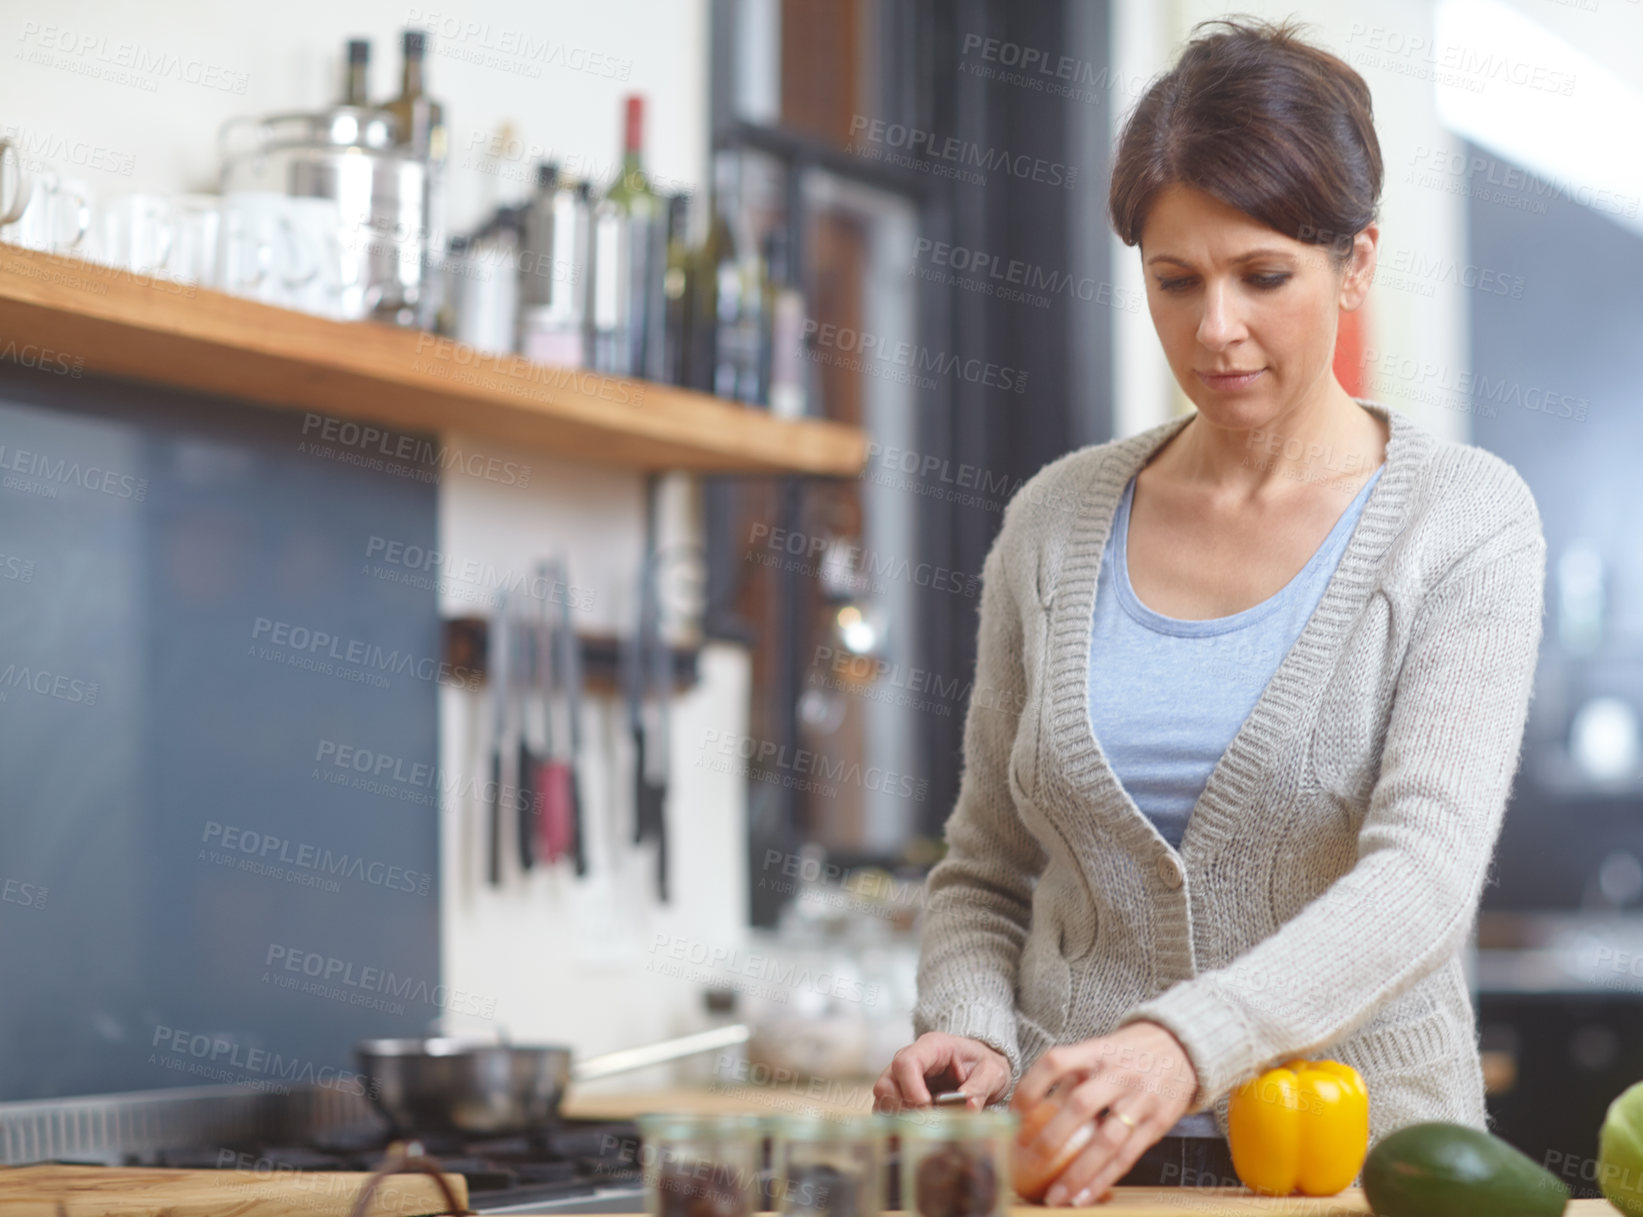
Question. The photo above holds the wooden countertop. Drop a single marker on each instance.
(53, 1190)
(1235, 1202)
(856, 1096)
(137, 1192)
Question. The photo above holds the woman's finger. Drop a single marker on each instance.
(1121, 1137)
(987, 1077)
(910, 1066)
(1049, 1069)
(885, 1095)
(1078, 1105)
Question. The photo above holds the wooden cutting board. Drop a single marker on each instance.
(1235, 1202)
(136, 1191)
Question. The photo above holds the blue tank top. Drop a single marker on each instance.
(1167, 696)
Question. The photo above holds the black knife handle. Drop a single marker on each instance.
(659, 795)
(579, 852)
(641, 801)
(493, 866)
(527, 809)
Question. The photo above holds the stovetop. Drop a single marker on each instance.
(588, 1165)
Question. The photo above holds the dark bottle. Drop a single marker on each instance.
(421, 122)
(421, 118)
(735, 296)
(677, 294)
(356, 82)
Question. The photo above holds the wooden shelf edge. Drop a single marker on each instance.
(120, 324)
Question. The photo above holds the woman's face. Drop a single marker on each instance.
(1229, 294)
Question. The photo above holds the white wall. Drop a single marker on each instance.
(127, 98)
(1147, 36)
(161, 130)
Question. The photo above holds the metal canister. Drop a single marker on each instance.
(385, 245)
(554, 324)
(629, 262)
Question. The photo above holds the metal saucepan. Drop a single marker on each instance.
(447, 1084)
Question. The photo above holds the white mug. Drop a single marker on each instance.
(196, 239)
(55, 216)
(266, 251)
(13, 211)
(319, 281)
(136, 232)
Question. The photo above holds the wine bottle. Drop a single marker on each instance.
(631, 190)
(678, 292)
(421, 118)
(356, 81)
(629, 260)
(421, 121)
(737, 269)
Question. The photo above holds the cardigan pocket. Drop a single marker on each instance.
(1350, 729)
(1346, 743)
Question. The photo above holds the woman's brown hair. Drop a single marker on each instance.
(1267, 123)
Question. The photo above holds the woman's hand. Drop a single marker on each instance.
(1139, 1075)
(954, 1062)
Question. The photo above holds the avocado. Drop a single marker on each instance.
(1438, 1169)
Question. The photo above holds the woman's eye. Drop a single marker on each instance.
(1264, 282)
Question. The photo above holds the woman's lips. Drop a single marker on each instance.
(1237, 380)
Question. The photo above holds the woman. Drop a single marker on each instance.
(1263, 686)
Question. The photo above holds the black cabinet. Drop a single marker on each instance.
(1573, 1053)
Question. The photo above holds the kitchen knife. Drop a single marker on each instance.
(530, 656)
(570, 675)
(648, 796)
(554, 834)
(662, 674)
(497, 663)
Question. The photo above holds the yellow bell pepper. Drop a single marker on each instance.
(1303, 1126)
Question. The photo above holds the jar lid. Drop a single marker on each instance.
(950, 1123)
(686, 1125)
(833, 1126)
(337, 127)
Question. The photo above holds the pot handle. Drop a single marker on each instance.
(231, 145)
(13, 211)
(655, 1054)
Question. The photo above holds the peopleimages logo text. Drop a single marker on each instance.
(415, 449)
(964, 152)
(360, 654)
(268, 848)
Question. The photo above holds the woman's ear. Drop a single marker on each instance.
(1360, 268)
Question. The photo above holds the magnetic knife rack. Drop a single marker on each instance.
(466, 647)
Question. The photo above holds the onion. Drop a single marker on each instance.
(1035, 1170)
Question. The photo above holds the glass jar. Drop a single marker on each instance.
(830, 1165)
(701, 1165)
(956, 1163)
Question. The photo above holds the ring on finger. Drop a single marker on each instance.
(1126, 1120)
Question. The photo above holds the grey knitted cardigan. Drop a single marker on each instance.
(1330, 874)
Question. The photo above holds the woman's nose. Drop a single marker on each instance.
(1220, 323)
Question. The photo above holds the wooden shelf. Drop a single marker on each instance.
(189, 338)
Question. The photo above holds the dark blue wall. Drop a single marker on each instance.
(160, 558)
